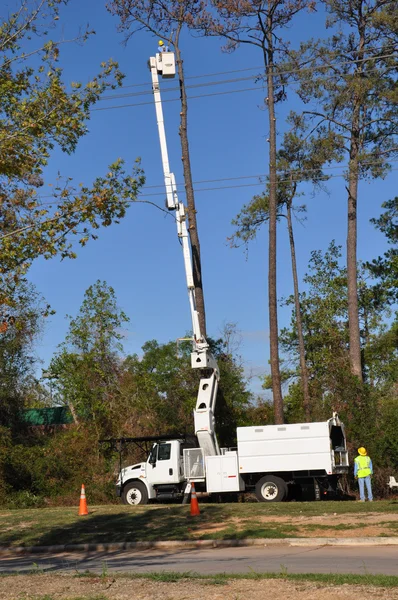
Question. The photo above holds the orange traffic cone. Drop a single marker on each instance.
(83, 503)
(194, 503)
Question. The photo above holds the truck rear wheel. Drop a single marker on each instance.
(135, 493)
(271, 489)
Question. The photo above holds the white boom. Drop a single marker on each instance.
(163, 64)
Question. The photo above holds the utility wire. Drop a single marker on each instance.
(261, 67)
(144, 201)
(175, 99)
(177, 88)
(260, 183)
(225, 92)
(133, 85)
(260, 176)
(218, 82)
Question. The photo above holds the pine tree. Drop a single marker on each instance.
(350, 87)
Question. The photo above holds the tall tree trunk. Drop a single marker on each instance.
(272, 287)
(353, 177)
(303, 364)
(352, 285)
(191, 208)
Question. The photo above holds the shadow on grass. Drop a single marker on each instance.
(42, 527)
(144, 524)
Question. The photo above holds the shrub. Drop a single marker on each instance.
(51, 469)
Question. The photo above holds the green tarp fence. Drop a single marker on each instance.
(60, 415)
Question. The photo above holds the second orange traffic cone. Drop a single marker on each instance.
(83, 503)
(194, 503)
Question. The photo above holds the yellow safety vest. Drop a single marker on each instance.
(363, 463)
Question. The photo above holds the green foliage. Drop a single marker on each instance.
(50, 469)
(87, 368)
(160, 390)
(233, 398)
(366, 409)
(152, 394)
(324, 315)
(37, 113)
(385, 268)
(381, 354)
(22, 321)
(325, 333)
(346, 69)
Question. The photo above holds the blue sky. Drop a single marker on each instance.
(141, 257)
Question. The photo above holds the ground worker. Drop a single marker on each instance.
(363, 470)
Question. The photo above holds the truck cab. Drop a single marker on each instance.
(160, 477)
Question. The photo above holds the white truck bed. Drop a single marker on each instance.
(297, 447)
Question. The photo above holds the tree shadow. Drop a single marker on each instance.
(148, 525)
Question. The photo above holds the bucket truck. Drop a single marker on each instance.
(268, 458)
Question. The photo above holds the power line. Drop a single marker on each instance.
(219, 82)
(200, 76)
(144, 201)
(225, 92)
(261, 67)
(176, 89)
(242, 177)
(175, 99)
(229, 187)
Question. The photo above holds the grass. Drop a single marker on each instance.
(335, 579)
(323, 578)
(112, 524)
(366, 579)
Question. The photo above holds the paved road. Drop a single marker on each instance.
(354, 559)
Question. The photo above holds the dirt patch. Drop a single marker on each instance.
(326, 525)
(68, 587)
(21, 525)
(332, 519)
(344, 533)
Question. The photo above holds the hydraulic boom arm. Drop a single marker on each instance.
(201, 357)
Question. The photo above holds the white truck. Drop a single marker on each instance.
(308, 457)
(267, 458)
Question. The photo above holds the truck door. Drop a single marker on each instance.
(163, 464)
(338, 447)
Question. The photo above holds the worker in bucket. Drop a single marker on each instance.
(162, 47)
(363, 471)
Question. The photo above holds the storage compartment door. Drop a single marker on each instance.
(222, 474)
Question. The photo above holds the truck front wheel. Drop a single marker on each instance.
(135, 493)
(271, 489)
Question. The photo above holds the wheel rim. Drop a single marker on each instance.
(134, 496)
(269, 490)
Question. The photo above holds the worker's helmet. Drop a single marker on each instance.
(362, 451)
(161, 43)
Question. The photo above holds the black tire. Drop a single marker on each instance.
(271, 489)
(135, 493)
